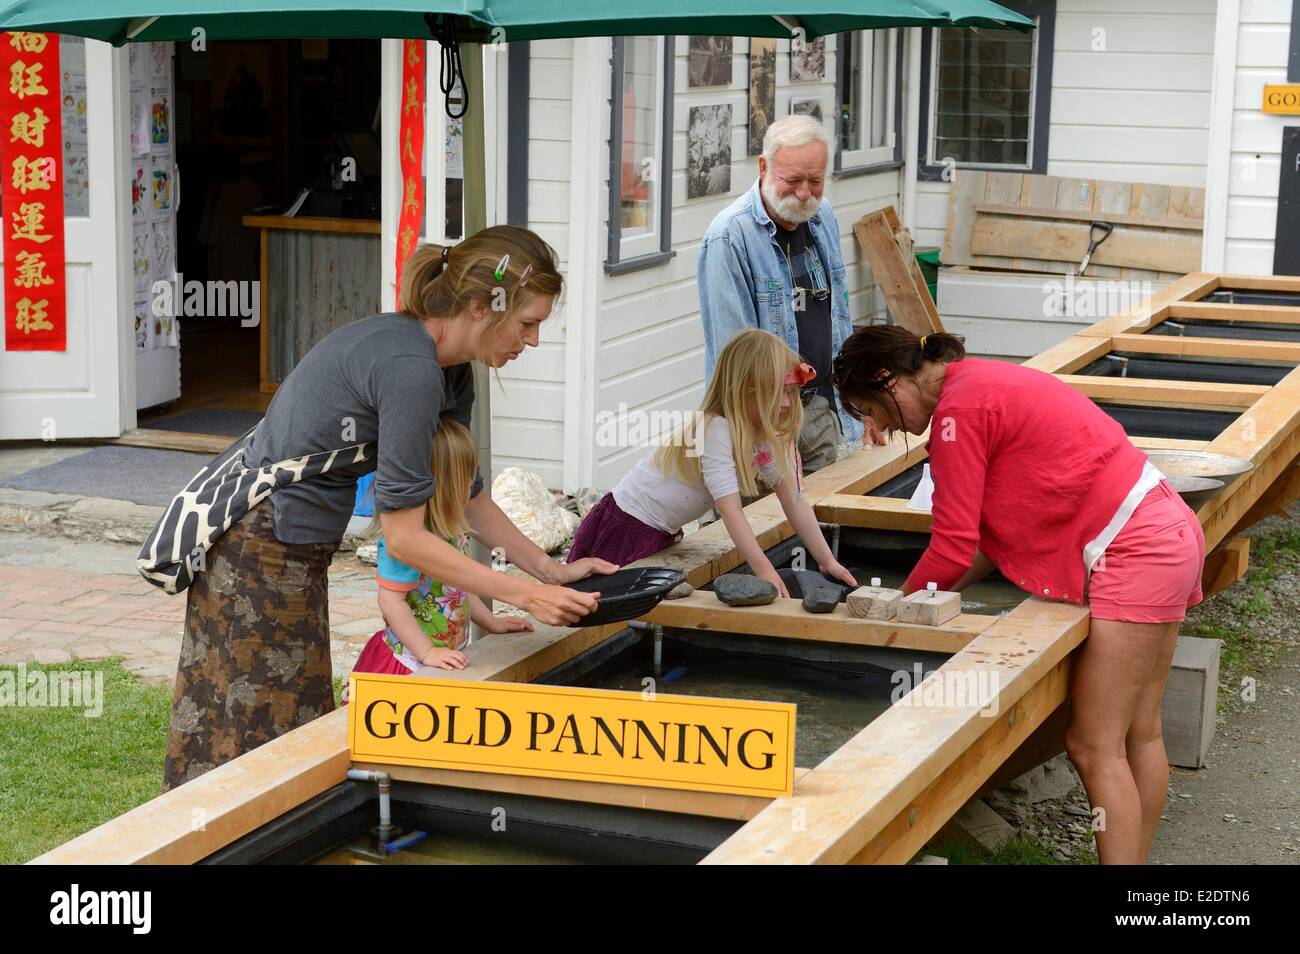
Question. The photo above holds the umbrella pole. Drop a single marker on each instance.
(475, 211)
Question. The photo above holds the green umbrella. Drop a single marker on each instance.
(123, 21)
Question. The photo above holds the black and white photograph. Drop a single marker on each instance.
(708, 151)
(806, 106)
(710, 61)
(762, 90)
(807, 59)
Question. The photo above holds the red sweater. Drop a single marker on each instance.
(1025, 468)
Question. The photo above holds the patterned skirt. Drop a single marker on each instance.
(255, 658)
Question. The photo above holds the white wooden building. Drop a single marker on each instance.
(1162, 91)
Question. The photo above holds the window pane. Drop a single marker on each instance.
(641, 120)
(75, 171)
(983, 87)
(851, 106)
(880, 88)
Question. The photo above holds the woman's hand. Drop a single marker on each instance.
(836, 571)
(507, 624)
(440, 658)
(769, 573)
(871, 434)
(581, 569)
(559, 605)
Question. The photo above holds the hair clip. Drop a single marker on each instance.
(802, 374)
(502, 266)
(523, 276)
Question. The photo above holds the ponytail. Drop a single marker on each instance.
(874, 356)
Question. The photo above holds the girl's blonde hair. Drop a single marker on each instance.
(748, 382)
(441, 280)
(453, 465)
(455, 462)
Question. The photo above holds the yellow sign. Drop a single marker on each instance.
(596, 735)
(1282, 98)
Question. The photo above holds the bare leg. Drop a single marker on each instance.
(1145, 744)
(1114, 667)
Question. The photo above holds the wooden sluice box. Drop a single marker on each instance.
(1207, 364)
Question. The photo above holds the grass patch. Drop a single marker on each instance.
(65, 773)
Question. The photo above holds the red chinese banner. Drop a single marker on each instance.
(411, 133)
(31, 196)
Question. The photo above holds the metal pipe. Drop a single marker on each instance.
(385, 783)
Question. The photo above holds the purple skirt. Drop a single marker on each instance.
(610, 533)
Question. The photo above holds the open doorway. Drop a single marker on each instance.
(274, 131)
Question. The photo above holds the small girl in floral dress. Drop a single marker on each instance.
(427, 620)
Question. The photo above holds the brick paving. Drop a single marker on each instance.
(57, 615)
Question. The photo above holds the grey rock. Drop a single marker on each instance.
(821, 599)
(802, 582)
(679, 591)
(739, 589)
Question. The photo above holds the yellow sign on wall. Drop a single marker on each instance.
(1282, 98)
(596, 735)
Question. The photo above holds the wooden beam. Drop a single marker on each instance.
(1274, 283)
(1225, 566)
(905, 292)
(1226, 311)
(1154, 391)
(1070, 355)
(1060, 241)
(854, 802)
(1166, 443)
(1153, 310)
(171, 440)
(1286, 351)
(787, 619)
(876, 513)
(1268, 435)
(706, 804)
(1283, 492)
(1088, 216)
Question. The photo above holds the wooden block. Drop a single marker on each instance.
(1187, 711)
(874, 602)
(929, 607)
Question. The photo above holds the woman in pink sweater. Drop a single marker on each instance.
(1034, 479)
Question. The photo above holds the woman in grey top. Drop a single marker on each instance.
(255, 660)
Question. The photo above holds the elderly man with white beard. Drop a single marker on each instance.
(772, 260)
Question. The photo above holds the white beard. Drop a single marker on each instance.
(790, 209)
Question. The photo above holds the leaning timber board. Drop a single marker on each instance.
(881, 795)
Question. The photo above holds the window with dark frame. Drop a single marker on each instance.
(986, 94)
(640, 172)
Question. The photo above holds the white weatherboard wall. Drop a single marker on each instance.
(528, 406)
(650, 343)
(1130, 102)
(1241, 208)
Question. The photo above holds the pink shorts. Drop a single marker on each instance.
(1151, 572)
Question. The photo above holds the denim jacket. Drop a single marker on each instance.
(745, 282)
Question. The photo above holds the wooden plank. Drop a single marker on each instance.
(1091, 215)
(1070, 355)
(927, 813)
(171, 440)
(1225, 311)
(1225, 566)
(914, 268)
(1166, 443)
(1285, 351)
(1283, 492)
(874, 513)
(1268, 435)
(787, 619)
(1068, 242)
(1161, 393)
(859, 794)
(705, 804)
(895, 278)
(313, 223)
(1277, 283)
(1151, 311)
